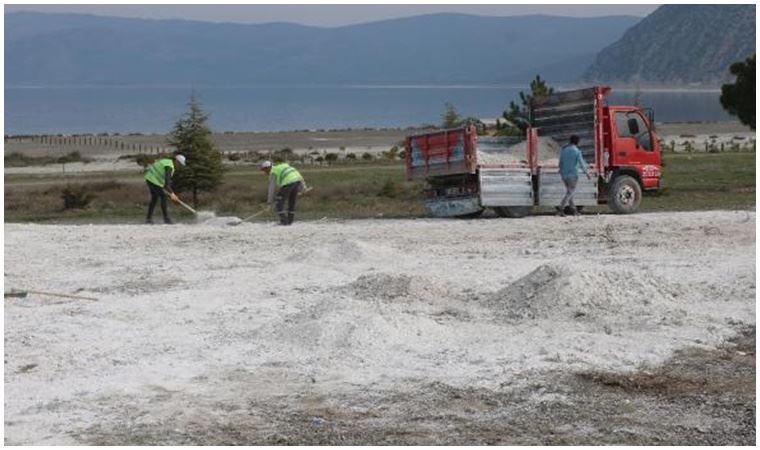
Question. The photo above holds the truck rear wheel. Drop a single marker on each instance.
(625, 195)
(512, 212)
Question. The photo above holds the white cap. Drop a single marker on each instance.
(265, 164)
(181, 159)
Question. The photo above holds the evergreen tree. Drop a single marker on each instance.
(191, 137)
(450, 117)
(739, 98)
(519, 115)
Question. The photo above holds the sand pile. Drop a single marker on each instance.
(221, 221)
(386, 287)
(495, 151)
(507, 151)
(563, 292)
(548, 151)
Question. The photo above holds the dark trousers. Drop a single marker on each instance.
(288, 193)
(156, 193)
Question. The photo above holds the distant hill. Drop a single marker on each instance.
(679, 44)
(69, 49)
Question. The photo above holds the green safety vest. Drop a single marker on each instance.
(284, 174)
(155, 173)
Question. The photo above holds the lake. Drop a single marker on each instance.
(154, 109)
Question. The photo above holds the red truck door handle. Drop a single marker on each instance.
(623, 153)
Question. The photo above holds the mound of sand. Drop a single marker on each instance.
(222, 221)
(558, 291)
(386, 287)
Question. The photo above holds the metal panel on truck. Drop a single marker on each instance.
(563, 114)
(551, 189)
(506, 187)
(441, 153)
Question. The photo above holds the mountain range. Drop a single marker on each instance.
(679, 44)
(73, 49)
(675, 45)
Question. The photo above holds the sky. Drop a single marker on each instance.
(328, 15)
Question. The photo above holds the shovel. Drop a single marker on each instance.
(188, 207)
(256, 214)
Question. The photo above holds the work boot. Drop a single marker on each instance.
(574, 211)
(283, 219)
(148, 221)
(560, 211)
(291, 218)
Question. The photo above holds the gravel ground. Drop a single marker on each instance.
(588, 330)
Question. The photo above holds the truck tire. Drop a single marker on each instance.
(512, 212)
(625, 195)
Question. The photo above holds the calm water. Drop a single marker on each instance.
(154, 109)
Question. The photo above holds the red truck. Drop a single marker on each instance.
(467, 173)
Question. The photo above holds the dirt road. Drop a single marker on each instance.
(599, 329)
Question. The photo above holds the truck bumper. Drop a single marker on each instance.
(452, 207)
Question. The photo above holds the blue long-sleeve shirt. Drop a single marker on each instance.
(570, 160)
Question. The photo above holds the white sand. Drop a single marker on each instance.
(191, 317)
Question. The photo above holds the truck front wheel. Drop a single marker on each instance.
(513, 212)
(625, 195)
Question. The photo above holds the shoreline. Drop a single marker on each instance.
(108, 153)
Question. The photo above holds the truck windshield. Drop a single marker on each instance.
(626, 129)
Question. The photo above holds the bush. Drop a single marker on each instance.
(366, 156)
(76, 197)
(73, 157)
(390, 189)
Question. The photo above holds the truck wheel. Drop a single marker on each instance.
(625, 195)
(512, 212)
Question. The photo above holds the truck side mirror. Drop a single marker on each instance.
(633, 127)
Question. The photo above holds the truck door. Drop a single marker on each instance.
(634, 142)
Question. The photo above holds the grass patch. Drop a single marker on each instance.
(361, 190)
(704, 181)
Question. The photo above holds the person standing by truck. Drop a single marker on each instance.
(570, 160)
(159, 180)
(288, 182)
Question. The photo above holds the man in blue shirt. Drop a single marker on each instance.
(570, 160)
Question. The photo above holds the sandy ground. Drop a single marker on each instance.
(393, 331)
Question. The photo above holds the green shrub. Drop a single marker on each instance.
(76, 197)
(390, 189)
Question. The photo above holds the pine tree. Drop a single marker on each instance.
(518, 115)
(739, 98)
(192, 137)
(450, 118)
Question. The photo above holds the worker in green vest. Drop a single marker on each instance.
(159, 180)
(288, 183)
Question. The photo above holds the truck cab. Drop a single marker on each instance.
(631, 149)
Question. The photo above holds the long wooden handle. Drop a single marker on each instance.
(255, 214)
(21, 294)
(187, 206)
(183, 204)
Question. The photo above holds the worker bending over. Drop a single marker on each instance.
(288, 183)
(159, 180)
